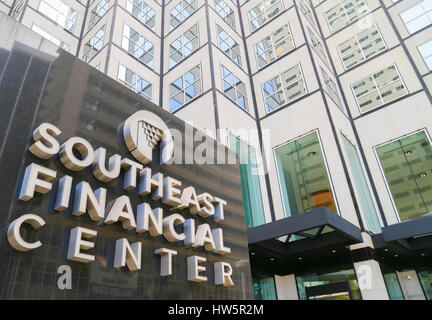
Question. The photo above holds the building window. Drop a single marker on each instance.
(265, 11)
(97, 13)
(250, 182)
(143, 12)
(418, 17)
(379, 88)
(344, 13)
(234, 88)
(306, 11)
(229, 46)
(185, 88)
(285, 87)
(134, 82)
(361, 47)
(225, 12)
(181, 12)
(184, 45)
(317, 46)
(274, 46)
(426, 51)
(49, 37)
(94, 45)
(331, 88)
(303, 177)
(406, 164)
(362, 187)
(138, 46)
(59, 12)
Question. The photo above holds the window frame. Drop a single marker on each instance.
(130, 87)
(58, 13)
(218, 29)
(245, 108)
(424, 58)
(86, 52)
(217, 4)
(96, 15)
(346, 15)
(185, 87)
(339, 99)
(428, 136)
(283, 88)
(141, 9)
(183, 44)
(365, 59)
(251, 26)
(325, 163)
(377, 88)
(62, 45)
(273, 46)
(151, 64)
(181, 13)
(425, 13)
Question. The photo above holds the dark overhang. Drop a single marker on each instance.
(321, 236)
(407, 244)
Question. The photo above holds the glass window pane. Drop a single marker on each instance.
(426, 52)
(251, 187)
(406, 164)
(382, 87)
(274, 46)
(418, 16)
(303, 176)
(361, 47)
(362, 187)
(344, 13)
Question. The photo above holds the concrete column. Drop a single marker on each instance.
(370, 280)
(286, 287)
(410, 285)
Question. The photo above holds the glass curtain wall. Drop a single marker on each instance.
(362, 187)
(251, 187)
(426, 282)
(303, 176)
(392, 283)
(264, 288)
(407, 166)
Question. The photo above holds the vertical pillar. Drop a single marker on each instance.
(286, 287)
(410, 285)
(370, 280)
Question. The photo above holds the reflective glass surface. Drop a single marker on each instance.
(303, 176)
(407, 165)
(251, 187)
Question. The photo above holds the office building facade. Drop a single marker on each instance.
(333, 96)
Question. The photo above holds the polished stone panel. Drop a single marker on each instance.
(41, 83)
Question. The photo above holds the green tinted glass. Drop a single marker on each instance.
(251, 187)
(303, 177)
(407, 165)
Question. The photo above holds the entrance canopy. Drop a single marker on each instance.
(306, 239)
